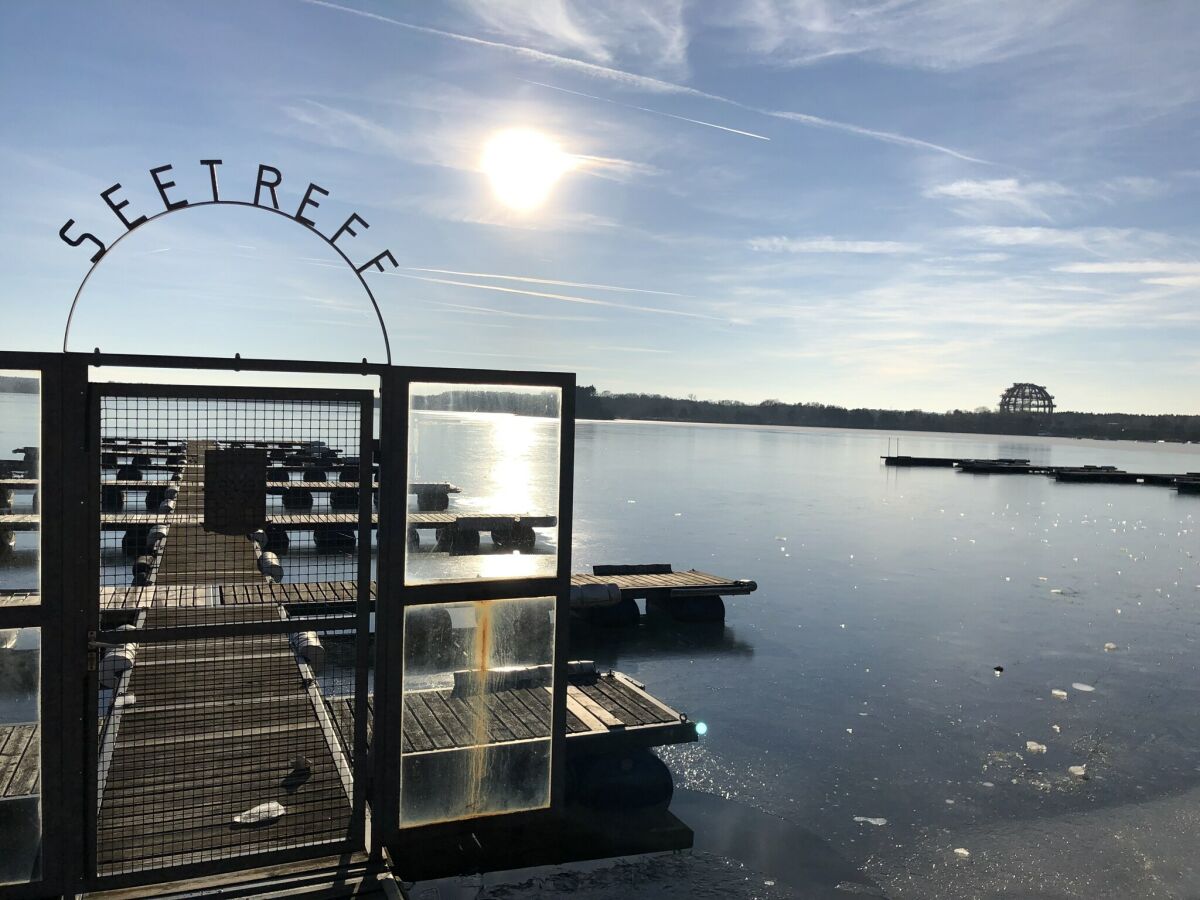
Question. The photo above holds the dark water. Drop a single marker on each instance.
(859, 680)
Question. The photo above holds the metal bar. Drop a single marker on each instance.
(88, 622)
(230, 629)
(362, 645)
(389, 612)
(228, 392)
(562, 606)
(456, 592)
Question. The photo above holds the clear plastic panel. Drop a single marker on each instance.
(20, 755)
(478, 677)
(483, 482)
(20, 470)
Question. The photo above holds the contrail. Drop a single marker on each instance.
(550, 281)
(656, 85)
(568, 298)
(657, 112)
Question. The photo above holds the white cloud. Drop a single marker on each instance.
(648, 31)
(829, 245)
(1134, 267)
(1095, 240)
(933, 34)
(635, 81)
(1135, 186)
(1001, 195)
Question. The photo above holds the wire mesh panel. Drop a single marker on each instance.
(236, 541)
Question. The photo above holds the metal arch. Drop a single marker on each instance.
(387, 345)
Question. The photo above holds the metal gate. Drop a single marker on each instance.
(232, 623)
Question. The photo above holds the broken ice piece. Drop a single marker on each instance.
(1110, 647)
(1078, 771)
(1080, 686)
(870, 820)
(1035, 747)
(264, 812)
(1057, 729)
(962, 852)
(1058, 694)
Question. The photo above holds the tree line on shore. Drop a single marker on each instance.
(593, 404)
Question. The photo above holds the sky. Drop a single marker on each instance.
(884, 203)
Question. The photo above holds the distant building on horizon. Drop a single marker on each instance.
(1024, 397)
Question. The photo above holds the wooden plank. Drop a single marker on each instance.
(583, 713)
(619, 693)
(456, 729)
(529, 722)
(609, 719)
(414, 702)
(498, 708)
(15, 741)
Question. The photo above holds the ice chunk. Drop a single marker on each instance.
(870, 820)
(264, 812)
(1110, 647)
(1078, 771)
(1058, 694)
(1080, 686)
(1035, 747)
(962, 852)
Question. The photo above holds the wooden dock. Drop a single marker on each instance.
(1088, 474)
(637, 586)
(609, 710)
(198, 730)
(20, 761)
(210, 729)
(201, 730)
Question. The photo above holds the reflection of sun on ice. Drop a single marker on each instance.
(512, 473)
(523, 166)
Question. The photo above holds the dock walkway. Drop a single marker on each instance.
(202, 729)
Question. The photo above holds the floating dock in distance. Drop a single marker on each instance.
(942, 462)
(1088, 474)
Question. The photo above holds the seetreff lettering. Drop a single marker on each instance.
(266, 195)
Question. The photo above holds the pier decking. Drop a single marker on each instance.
(609, 708)
(631, 586)
(20, 761)
(198, 730)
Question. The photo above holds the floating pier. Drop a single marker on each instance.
(1186, 483)
(196, 732)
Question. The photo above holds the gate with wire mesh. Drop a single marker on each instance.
(233, 615)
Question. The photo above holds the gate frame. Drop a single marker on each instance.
(389, 621)
(70, 560)
(359, 620)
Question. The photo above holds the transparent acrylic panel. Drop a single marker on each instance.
(20, 435)
(483, 482)
(476, 712)
(20, 756)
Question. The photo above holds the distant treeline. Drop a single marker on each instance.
(542, 404)
(10, 384)
(591, 404)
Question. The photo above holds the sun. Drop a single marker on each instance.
(523, 166)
